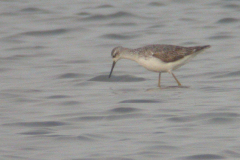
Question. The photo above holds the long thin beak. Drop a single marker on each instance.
(112, 69)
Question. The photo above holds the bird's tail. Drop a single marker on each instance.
(199, 48)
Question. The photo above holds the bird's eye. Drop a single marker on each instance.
(114, 54)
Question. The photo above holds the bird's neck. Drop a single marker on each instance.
(130, 54)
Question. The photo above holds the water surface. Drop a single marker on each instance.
(57, 101)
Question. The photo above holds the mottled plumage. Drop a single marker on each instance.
(158, 58)
(168, 53)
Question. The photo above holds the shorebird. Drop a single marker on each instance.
(157, 57)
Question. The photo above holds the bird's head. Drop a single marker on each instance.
(116, 55)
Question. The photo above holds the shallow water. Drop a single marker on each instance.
(58, 102)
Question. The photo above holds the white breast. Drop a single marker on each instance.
(156, 65)
(153, 64)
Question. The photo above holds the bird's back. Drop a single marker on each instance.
(170, 53)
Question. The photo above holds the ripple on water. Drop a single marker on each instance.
(118, 36)
(117, 113)
(37, 124)
(220, 120)
(57, 97)
(26, 48)
(232, 153)
(124, 110)
(83, 14)
(69, 75)
(221, 36)
(109, 117)
(156, 26)
(232, 6)
(126, 114)
(230, 74)
(156, 4)
(227, 20)
(119, 14)
(140, 101)
(204, 157)
(216, 118)
(105, 6)
(181, 119)
(81, 137)
(77, 61)
(213, 89)
(36, 132)
(46, 32)
(222, 114)
(124, 78)
(88, 118)
(34, 10)
(122, 24)
(162, 147)
(70, 103)
(85, 138)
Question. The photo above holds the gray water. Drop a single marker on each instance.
(58, 103)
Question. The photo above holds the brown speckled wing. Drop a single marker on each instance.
(170, 53)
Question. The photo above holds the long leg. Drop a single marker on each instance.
(159, 78)
(179, 84)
